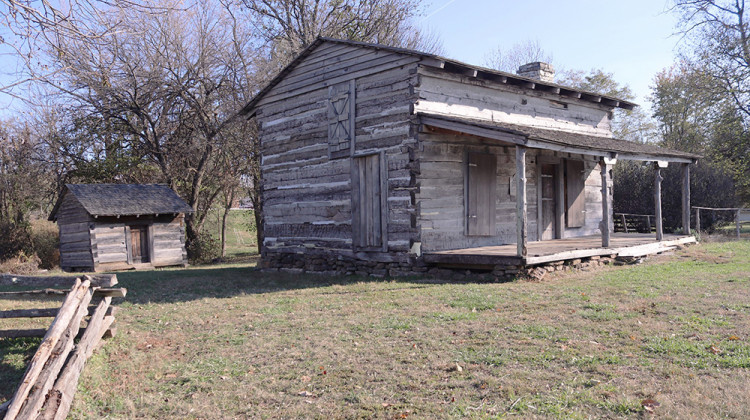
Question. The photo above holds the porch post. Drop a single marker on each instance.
(686, 198)
(657, 201)
(521, 216)
(605, 206)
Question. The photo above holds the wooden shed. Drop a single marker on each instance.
(385, 160)
(120, 226)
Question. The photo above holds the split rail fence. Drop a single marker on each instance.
(47, 388)
(741, 215)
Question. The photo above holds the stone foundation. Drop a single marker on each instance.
(340, 265)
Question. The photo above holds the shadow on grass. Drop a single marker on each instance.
(180, 285)
(14, 356)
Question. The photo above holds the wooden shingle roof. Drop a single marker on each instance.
(447, 65)
(125, 199)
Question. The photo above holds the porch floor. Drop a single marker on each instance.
(540, 252)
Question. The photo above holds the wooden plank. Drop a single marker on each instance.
(68, 310)
(560, 201)
(55, 364)
(575, 198)
(38, 313)
(60, 397)
(521, 211)
(18, 333)
(99, 280)
(657, 202)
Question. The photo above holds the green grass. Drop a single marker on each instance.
(232, 342)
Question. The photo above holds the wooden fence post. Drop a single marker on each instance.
(698, 220)
(737, 222)
(648, 223)
(624, 222)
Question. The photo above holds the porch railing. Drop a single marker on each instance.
(641, 223)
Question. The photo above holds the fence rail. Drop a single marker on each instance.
(642, 223)
(741, 214)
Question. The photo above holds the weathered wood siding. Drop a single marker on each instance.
(307, 193)
(443, 191)
(109, 241)
(75, 243)
(448, 94)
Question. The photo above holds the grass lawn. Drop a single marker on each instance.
(230, 342)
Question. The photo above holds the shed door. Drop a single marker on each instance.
(139, 244)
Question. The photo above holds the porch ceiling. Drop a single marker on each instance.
(541, 252)
(557, 140)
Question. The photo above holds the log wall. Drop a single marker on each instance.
(308, 195)
(447, 94)
(166, 241)
(75, 242)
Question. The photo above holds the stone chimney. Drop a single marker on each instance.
(537, 70)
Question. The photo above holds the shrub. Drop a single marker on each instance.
(203, 249)
(45, 238)
(15, 239)
(20, 264)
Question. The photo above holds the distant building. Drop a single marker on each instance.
(120, 226)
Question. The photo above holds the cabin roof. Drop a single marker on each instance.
(124, 199)
(448, 65)
(558, 140)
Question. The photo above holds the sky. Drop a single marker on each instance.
(632, 39)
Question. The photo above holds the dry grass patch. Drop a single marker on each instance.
(236, 343)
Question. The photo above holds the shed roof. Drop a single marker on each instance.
(448, 65)
(557, 140)
(124, 199)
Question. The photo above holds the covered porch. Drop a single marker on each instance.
(562, 245)
(543, 252)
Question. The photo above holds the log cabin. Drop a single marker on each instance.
(384, 160)
(120, 226)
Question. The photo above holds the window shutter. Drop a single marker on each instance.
(480, 197)
(574, 192)
(341, 119)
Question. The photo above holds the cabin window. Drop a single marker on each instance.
(369, 192)
(341, 119)
(481, 182)
(575, 182)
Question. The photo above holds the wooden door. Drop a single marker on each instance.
(548, 182)
(139, 244)
(480, 198)
(369, 226)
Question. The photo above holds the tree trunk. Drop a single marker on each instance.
(227, 207)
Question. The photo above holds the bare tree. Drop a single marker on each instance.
(171, 82)
(718, 36)
(288, 26)
(510, 60)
